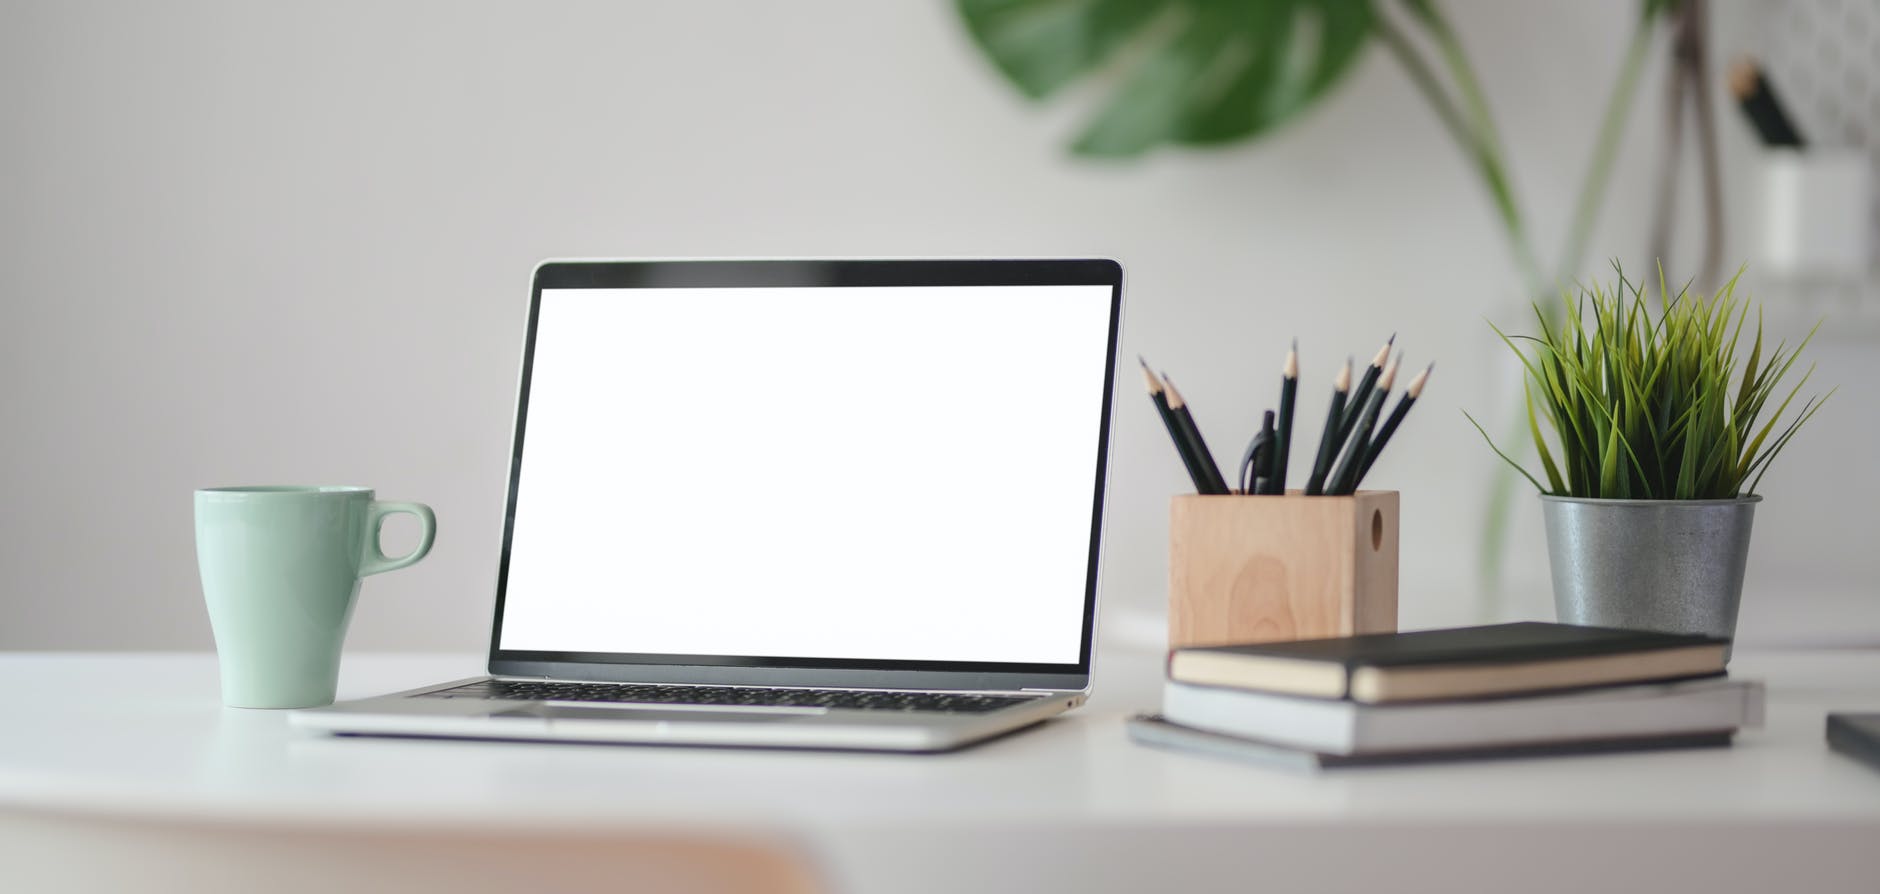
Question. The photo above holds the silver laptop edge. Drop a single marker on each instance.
(402, 715)
(415, 713)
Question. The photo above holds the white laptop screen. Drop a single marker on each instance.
(877, 473)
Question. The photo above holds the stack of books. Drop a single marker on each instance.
(1496, 691)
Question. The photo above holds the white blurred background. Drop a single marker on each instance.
(259, 242)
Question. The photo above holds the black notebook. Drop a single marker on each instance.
(1463, 662)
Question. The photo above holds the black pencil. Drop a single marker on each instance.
(1354, 405)
(1389, 427)
(1759, 103)
(1203, 458)
(1175, 434)
(1344, 481)
(1328, 440)
(1288, 392)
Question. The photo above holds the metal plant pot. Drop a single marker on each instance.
(1670, 565)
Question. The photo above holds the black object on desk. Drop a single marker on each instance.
(1857, 736)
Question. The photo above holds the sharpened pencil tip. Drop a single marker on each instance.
(1291, 369)
(1390, 375)
(1155, 384)
(1343, 382)
(1174, 396)
(1416, 384)
(1383, 353)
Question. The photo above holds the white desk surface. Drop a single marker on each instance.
(1070, 803)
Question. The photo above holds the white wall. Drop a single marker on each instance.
(288, 242)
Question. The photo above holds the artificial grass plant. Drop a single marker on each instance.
(1648, 404)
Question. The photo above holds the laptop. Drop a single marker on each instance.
(851, 504)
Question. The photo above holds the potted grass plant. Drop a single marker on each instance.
(1654, 419)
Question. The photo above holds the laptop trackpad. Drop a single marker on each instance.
(649, 715)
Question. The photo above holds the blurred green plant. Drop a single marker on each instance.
(1211, 72)
(1645, 406)
(1198, 73)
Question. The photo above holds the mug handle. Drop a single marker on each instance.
(376, 560)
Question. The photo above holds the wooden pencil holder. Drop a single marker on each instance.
(1250, 569)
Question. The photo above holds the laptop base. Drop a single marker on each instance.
(410, 715)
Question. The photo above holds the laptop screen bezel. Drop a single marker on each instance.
(793, 671)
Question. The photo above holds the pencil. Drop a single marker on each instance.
(1355, 404)
(1759, 103)
(1389, 428)
(1288, 391)
(1328, 443)
(1182, 447)
(1344, 481)
(1210, 472)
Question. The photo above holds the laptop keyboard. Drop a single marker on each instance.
(653, 694)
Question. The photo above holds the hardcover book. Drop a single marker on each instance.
(1465, 662)
(1153, 729)
(1708, 705)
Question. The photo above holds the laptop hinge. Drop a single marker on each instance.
(1028, 691)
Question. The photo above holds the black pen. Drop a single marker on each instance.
(1215, 483)
(1389, 428)
(1182, 448)
(1256, 465)
(1344, 481)
(1362, 393)
(1282, 436)
(1328, 440)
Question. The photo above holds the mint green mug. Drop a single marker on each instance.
(280, 570)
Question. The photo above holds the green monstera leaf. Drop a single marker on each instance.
(1191, 72)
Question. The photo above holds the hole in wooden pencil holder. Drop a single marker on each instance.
(1270, 568)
